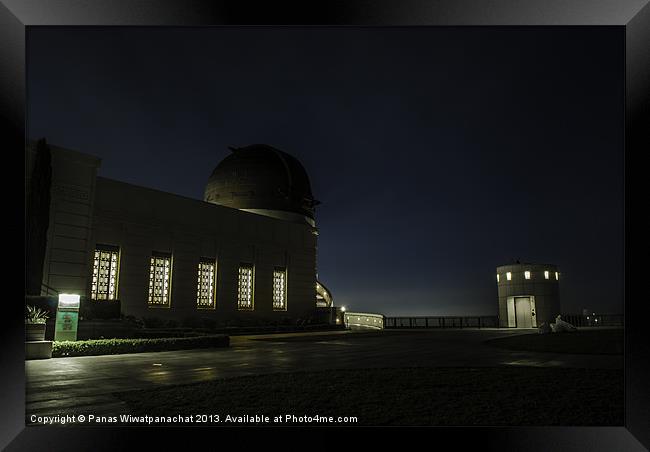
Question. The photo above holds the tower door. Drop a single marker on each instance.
(523, 312)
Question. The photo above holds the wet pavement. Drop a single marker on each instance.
(85, 384)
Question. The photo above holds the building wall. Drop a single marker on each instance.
(141, 220)
(545, 291)
(71, 205)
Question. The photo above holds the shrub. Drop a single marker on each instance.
(35, 315)
(162, 334)
(119, 346)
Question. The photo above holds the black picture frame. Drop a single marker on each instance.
(632, 15)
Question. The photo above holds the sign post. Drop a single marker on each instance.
(67, 318)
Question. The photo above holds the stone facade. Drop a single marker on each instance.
(87, 210)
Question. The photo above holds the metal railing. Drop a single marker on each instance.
(442, 322)
(581, 320)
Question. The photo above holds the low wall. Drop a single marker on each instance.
(357, 320)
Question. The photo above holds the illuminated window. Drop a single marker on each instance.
(160, 278)
(546, 275)
(527, 274)
(280, 289)
(106, 269)
(509, 276)
(497, 277)
(205, 290)
(557, 276)
(245, 287)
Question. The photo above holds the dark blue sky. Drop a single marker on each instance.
(438, 153)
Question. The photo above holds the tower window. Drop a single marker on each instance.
(546, 274)
(557, 276)
(206, 284)
(160, 278)
(245, 287)
(106, 265)
(509, 276)
(280, 289)
(527, 274)
(497, 277)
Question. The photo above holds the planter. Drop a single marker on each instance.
(34, 331)
(38, 350)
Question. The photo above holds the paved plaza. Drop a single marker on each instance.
(85, 384)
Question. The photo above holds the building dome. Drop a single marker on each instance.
(262, 179)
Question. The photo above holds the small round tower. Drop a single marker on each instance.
(528, 294)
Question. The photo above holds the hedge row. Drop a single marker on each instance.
(119, 346)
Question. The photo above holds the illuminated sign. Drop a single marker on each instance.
(67, 300)
(67, 317)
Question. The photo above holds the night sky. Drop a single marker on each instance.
(437, 153)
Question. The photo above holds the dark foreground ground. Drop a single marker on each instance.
(590, 342)
(446, 377)
(410, 396)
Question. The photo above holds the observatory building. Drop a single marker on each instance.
(528, 294)
(244, 254)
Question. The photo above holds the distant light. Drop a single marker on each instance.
(527, 274)
(342, 308)
(497, 277)
(595, 320)
(157, 364)
(557, 276)
(546, 275)
(587, 317)
(68, 300)
(509, 276)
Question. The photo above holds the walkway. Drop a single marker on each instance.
(85, 384)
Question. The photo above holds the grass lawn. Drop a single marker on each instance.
(592, 342)
(407, 396)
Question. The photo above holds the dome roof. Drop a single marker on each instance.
(261, 177)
